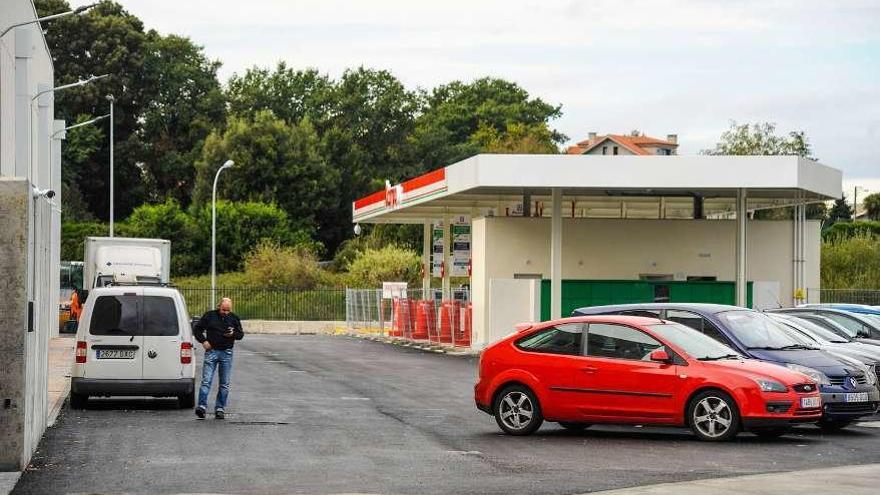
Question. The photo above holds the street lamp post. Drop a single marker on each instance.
(111, 99)
(228, 164)
(75, 11)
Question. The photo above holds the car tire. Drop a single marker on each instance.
(517, 411)
(574, 426)
(770, 432)
(78, 401)
(831, 426)
(713, 416)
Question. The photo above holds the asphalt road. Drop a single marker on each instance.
(320, 414)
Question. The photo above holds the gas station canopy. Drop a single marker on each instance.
(602, 186)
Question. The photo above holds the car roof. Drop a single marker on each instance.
(705, 308)
(122, 289)
(630, 320)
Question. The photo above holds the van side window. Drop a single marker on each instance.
(561, 339)
(160, 316)
(115, 315)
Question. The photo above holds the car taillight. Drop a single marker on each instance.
(186, 352)
(80, 352)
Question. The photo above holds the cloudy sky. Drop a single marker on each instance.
(660, 66)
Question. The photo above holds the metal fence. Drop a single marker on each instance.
(845, 296)
(414, 314)
(272, 304)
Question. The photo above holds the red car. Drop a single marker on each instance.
(635, 370)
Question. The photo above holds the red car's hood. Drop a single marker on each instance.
(752, 368)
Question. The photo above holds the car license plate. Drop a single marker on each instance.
(114, 354)
(809, 402)
(857, 397)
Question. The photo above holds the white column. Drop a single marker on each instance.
(427, 246)
(556, 255)
(23, 95)
(741, 258)
(447, 257)
(58, 135)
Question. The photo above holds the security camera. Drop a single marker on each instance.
(43, 193)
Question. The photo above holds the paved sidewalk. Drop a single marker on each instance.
(61, 352)
(851, 480)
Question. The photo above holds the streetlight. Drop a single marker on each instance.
(228, 164)
(75, 11)
(81, 124)
(111, 99)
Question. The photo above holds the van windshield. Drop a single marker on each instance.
(151, 316)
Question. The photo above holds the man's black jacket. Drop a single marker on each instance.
(212, 327)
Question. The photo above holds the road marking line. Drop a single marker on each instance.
(354, 398)
(869, 424)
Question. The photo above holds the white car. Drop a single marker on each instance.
(134, 341)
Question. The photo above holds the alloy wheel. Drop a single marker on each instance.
(712, 416)
(516, 410)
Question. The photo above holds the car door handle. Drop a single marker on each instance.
(589, 369)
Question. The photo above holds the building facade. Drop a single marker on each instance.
(631, 144)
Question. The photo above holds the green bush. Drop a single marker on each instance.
(271, 265)
(388, 264)
(847, 230)
(851, 263)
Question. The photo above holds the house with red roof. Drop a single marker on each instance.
(619, 144)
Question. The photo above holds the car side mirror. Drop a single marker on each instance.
(660, 356)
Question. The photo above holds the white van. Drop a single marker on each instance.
(134, 341)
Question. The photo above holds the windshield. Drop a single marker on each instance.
(757, 331)
(815, 331)
(696, 344)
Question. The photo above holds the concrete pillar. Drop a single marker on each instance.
(14, 391)
(741, 258)
(556, 255)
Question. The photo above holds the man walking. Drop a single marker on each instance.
(217, 331)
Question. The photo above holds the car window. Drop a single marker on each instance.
(756, 330)
(561, 339)
(696, 344)
(846, 322)
(115, 315)
(618, 341)
(686, 318)
(710, 330)
(160, 316)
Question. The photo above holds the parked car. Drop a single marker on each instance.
(848, 393)
(134, 341)
(632, 370)
(828, 340)
(860, 326)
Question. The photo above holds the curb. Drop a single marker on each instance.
(424, 347)
(56, 407)
(8, 481)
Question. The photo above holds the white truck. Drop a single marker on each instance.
(141, 261)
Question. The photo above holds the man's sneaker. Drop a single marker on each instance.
(219, 414)
(200, 412)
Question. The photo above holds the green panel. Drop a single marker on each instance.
(580, 293)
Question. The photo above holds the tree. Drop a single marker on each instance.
(518, 138)
(456, 112)
(167, 100)
(872, 206)
(840, 211)
(291, 95)
(276, 163)
(760, 138)
(185, 104)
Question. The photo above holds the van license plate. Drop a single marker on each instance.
(809, 402)
(114, 354)
(857, 397)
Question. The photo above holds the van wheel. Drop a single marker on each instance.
(78, 401)
(517, 411)
(187, 401)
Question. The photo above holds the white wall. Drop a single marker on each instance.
(25, 127)
(614, 249)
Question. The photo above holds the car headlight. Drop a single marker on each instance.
(770, 385)
(816, 375)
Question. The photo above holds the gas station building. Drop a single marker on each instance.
(550, 233)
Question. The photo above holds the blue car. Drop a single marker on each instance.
(848, 391)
